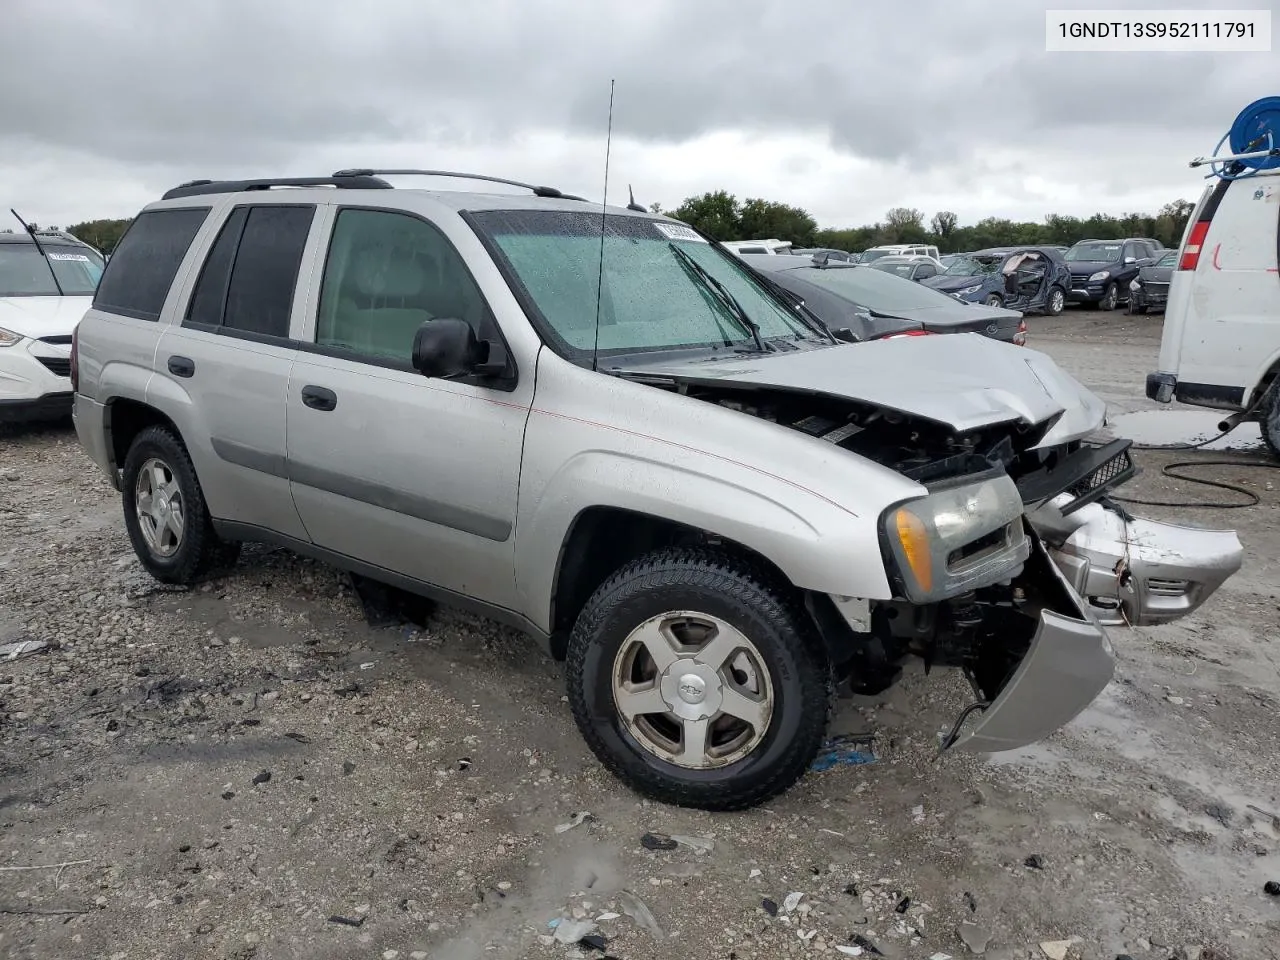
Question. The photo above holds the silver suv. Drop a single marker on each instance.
(599, 426)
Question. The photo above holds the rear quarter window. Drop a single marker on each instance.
(141, 270)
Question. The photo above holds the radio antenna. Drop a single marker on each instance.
(604, 210)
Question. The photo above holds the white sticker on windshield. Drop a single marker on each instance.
(69, 256)
(678, 231)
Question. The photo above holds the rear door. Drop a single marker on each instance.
(407, 473)
(230, 356)
(1232, 331)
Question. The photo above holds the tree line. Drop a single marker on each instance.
(721, 215)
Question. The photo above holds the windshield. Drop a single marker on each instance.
(649, 299)
(889, 266)
(876, 255)
(878, 290)
(972, 266)
(25, 273)
(1101, 252)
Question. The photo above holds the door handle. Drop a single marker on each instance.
(319, 398)
(182, 366)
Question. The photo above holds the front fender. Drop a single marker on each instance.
(818, 544)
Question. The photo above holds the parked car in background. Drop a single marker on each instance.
(1101, 269)
(899, 250)
(842, 255)
(909, 267)
(773, 247)
(1029, 279)
(873, 304)
(1149, 290)
(1220, 346)
(47, 283)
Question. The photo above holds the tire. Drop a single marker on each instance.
(1110, 298)
(1135, 305)
(1057, 302)
(791, 667)
(994, 300)
(171, 558)
(1269, 421)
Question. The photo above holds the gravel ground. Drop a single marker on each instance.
(249, 769)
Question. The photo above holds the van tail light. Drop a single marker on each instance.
(75, 359)
(1195, 240)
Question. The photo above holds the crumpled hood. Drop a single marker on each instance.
(37, 317)
(952, 284)
(965, 381)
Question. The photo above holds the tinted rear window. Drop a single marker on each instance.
(260, 296)
(142, 268)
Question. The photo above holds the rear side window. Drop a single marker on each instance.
(140, 272)
(248, 280)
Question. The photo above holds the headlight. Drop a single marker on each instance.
(1134, 285)
(974, 289)
(8, 338)
(957, 538)
(1100, 276)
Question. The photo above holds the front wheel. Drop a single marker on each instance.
(699, 680)
(1110, 298)
(165, 512)
(994, 300)
(1136, 306)
(1057, 301)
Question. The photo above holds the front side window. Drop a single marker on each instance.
(386, 274)
(62, 269)
(652, 298)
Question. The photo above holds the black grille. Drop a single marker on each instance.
(62, 339)
(58, 366)
(1104, 476)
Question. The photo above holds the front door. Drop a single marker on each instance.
(415, 475)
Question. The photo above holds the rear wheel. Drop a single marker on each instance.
(165, 512)
(1057, 301)
(1269, 420)
(1135, 304)
(699, 680)
(1110, 298)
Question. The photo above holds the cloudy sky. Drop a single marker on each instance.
(846, 107)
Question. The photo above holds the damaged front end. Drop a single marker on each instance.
(1029, 629)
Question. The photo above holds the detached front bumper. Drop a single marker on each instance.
(1070, 661)
(1098, 567)
(1140, 572)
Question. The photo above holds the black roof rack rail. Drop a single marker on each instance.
(537, 191)
(355, 181)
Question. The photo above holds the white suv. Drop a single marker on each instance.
(47, 281)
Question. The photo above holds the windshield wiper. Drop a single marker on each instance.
(726, 298)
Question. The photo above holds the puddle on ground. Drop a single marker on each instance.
(1179, 428)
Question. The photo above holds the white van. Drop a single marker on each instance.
(1221, 342)
(900, 250)
(779, 247)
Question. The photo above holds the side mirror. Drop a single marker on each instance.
(1130, 259)
(449, 348)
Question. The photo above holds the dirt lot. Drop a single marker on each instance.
(417, 775)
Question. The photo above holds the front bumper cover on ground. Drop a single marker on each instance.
(1070, 661)
(1113, 569)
